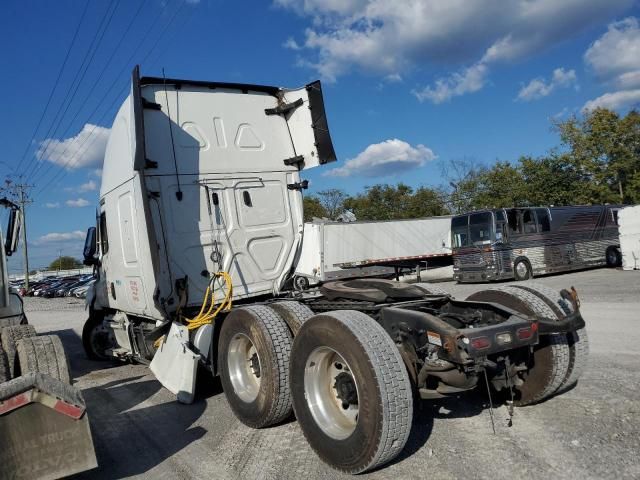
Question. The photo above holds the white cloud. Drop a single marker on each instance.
(615, 56)
(615, 60)
(384, 159)
(89, 186)
(391, 38)
(97, 172)
(52, 204)
(291, 44)
(86, 149)
(470, 80)
(538, 88)
(614, 100)
(61, 237)
(77, 203)
(393, 78)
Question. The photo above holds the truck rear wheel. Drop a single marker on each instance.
(5, 372)
(9, 338)
(294, 313)
(351, 391)
(43, 354)
(549, 364)
(253, 354)
(578, 341)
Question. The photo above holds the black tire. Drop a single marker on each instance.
(578, 341)
(9, 338)
(263, 399)
(5, 371)
(384, 398)
(613, 257)
(551, 357)
(43, 354)
(294, 313)
(96, 339)
(522, 269)
(431, 289)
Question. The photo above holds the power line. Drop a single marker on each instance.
(91, 91)
(77, 80)
(69, 163)
(55, 86)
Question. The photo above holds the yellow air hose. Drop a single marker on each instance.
(209, 299)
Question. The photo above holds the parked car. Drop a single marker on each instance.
(82, 291)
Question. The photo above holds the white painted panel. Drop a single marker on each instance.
(228, 132)
(629, 221)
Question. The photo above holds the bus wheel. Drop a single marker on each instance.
(614, 259)
(522, 269)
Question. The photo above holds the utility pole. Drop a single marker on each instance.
(23, 200)
(19, 191)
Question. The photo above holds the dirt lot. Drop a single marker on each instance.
(593, 431)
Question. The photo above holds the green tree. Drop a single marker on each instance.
(65, 263)
(332, 200)
(388, 202)
(605, 149)
(313, 208)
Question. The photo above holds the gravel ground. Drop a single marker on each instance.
(592, 431)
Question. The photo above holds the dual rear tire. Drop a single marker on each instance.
(342, 375)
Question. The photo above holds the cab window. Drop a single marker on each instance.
(104, 237)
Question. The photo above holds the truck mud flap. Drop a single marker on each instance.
(44, 429)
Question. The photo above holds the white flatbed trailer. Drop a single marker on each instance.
(337, 250)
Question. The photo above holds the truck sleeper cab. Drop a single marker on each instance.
(199, 231)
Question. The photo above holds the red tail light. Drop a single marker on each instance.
(527, 332)
(480, 343)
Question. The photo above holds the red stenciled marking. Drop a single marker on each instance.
(70, 410)
(15, 402)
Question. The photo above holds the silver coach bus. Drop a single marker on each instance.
(518, 243)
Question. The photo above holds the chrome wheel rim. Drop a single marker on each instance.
(522, 270)
(244, 367)
(331, 393)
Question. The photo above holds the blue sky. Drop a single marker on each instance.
(408, 86)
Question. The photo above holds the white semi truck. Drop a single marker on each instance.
(198, 234)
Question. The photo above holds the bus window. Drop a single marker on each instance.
(528, 221)
(480, 228)
(544, 224)
(512, 219)
(460, 231)
(614, 215)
